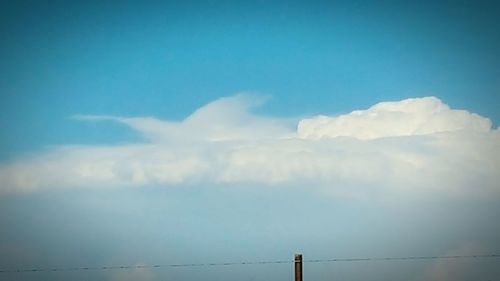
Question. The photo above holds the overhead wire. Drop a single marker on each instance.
(153, 266)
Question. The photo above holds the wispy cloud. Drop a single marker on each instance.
(410, 146)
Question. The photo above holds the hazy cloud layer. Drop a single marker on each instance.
(410, 146)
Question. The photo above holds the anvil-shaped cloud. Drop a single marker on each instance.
(405, 147)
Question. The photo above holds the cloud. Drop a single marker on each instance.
(226, 119)
(414, 146)
(410, 117)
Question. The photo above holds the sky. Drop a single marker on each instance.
(219, 131)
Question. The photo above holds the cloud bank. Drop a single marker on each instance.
(411, 146)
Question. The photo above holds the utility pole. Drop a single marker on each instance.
(298, 267)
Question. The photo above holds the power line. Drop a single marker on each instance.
(142, 266)
(405, 258)
(124, 267)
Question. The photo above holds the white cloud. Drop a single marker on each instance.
(411, 146)
(226, 119)
(410, 117)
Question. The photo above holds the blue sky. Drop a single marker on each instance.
(165, 60)
(214, 131)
